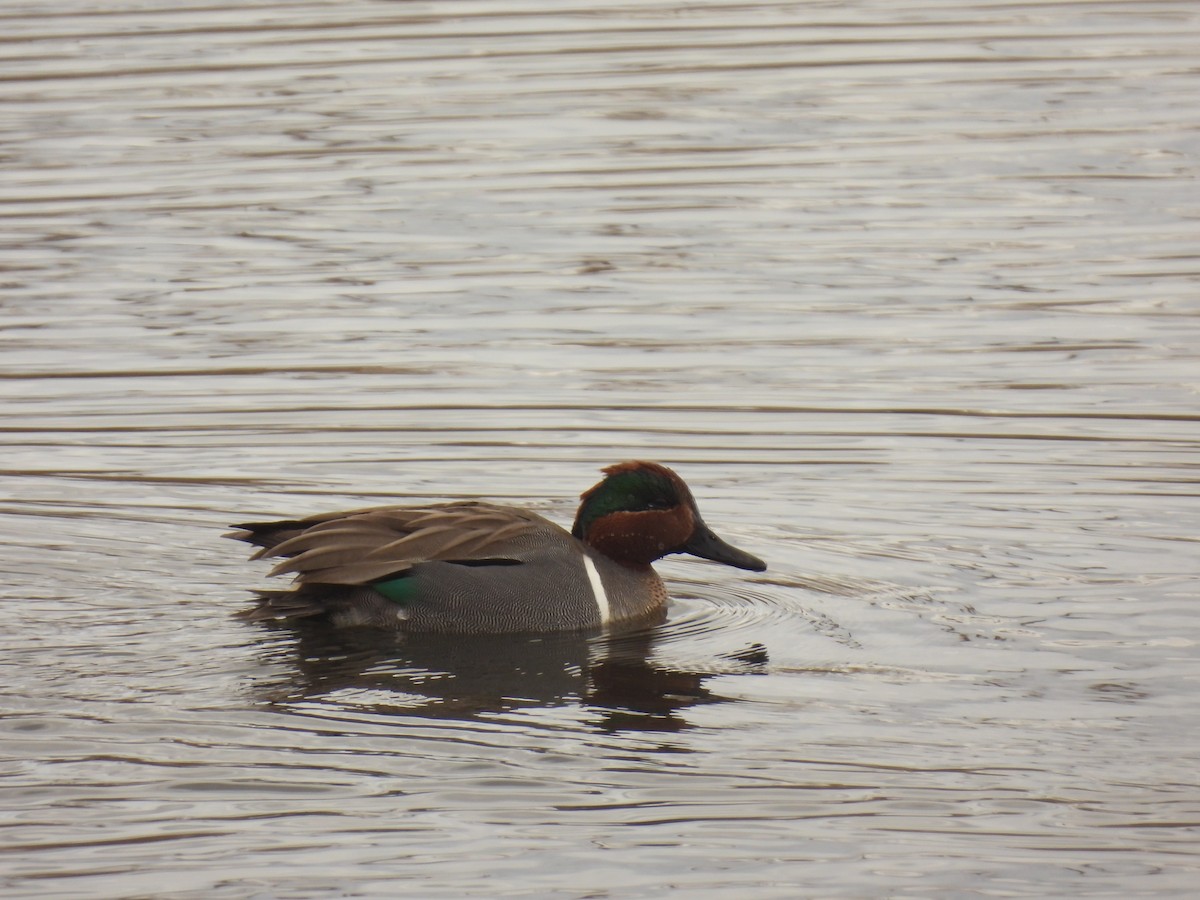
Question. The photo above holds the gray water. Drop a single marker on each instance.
(908, 292)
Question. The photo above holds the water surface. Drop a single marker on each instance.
(907, 292)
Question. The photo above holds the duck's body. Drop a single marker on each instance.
(479, 567)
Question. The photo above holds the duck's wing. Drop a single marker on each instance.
(370, 545)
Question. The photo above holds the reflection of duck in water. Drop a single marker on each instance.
(461, 676)
(474, 567)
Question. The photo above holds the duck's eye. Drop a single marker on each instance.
(657, 503)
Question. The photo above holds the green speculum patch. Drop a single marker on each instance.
(402, 590)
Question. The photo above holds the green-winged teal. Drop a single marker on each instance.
(478, 567)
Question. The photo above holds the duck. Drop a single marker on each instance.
(476, 567)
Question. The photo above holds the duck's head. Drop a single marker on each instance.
(642, 511)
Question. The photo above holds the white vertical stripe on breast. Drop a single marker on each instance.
(597, 589)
